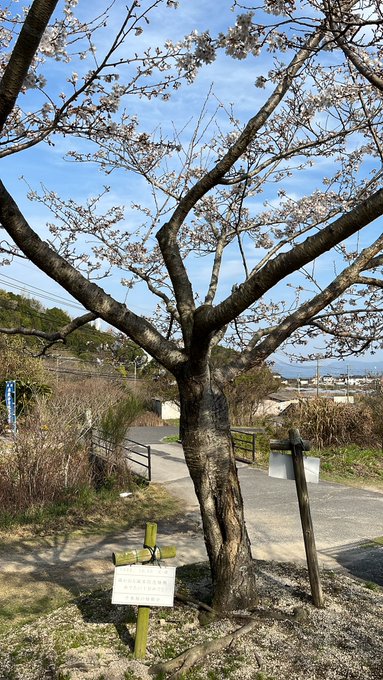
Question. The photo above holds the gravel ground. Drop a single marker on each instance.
(90, 639)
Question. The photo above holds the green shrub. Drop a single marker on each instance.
(116, 420)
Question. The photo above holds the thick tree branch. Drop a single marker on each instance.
(375, 262)
(167, 235)
(25, 49)
(288, 262)
(370, 281)
(91, 296)
(210, 295)
(213, 177)
(259, 351)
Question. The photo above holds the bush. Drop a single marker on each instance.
(48, 461)
(325, 423)
(117, 418)
(374, 402)
(32, 380)
(248, 391)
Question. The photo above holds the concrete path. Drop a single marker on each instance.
(345, 519)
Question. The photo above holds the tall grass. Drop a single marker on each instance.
(48, 464)
(325, 423)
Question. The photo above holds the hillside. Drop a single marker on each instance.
(86, 343)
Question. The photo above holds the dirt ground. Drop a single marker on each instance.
(90, 639)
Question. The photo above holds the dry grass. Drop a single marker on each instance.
(325, 423)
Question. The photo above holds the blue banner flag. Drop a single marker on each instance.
(10, 401)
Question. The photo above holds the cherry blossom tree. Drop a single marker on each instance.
(307, 259)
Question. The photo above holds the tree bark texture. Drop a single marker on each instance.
(209, 454)
(22, 55)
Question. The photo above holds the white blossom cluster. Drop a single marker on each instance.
(280, 7)
(322, 133)
(243, 38)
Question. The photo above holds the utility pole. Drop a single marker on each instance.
(348, 384)
(317, 377)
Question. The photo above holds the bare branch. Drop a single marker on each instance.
(286, 263)
(258, 351)
(370, 281)
(51, 337)
(90, 295)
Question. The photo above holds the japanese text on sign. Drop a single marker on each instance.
(149, 586)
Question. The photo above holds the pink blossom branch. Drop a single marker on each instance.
(336, 332)
(356, 61)
(288, 262)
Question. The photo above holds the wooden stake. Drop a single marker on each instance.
(296, 446)
(144, 612)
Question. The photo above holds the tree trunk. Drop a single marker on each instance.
(205, 432)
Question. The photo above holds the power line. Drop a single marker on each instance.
(45, 316)
(40, 292)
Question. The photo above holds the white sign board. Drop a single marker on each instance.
(281, 466)
(149, 586)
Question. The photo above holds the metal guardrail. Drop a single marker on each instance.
(138, 455)
(244, 444)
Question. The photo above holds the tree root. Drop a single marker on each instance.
(187, 599)
(190, 657)
(187, 659)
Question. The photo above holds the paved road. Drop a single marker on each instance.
(151, 435)
(344, 518)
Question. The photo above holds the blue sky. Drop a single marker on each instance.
(233, 83)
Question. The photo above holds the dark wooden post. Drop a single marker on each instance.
(296, 447)
(253, 446)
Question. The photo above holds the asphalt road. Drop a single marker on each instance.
(345, 519)
(151, 435)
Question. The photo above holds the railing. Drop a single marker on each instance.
(244, 444)
(137, 455)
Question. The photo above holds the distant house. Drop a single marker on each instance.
(276, 404)
(343, 399)
(167, 410)
(328, 380)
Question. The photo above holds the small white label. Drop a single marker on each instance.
(281, 466)
(146, 585)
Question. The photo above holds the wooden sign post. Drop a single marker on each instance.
(296, 445)
(150, 553)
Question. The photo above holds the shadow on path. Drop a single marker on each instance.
(363, 560)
